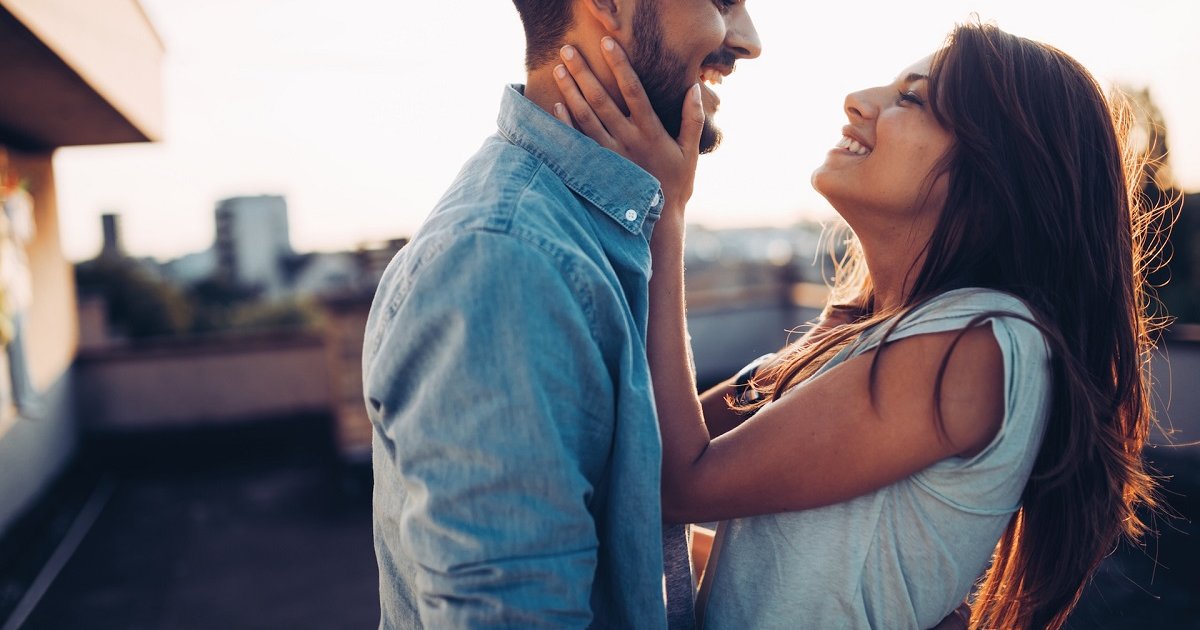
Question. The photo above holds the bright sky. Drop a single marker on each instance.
(362, 111)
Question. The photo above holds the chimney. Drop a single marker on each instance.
(112, 236)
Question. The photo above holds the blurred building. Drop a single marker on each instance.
(252, 242)
(72, 73)
(191, 268)
(252, 250)
(323, 273)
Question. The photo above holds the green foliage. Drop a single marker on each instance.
(217, 302)
(139, 303)
(1177, 277)
(284, 315)
(142, 305)
(222, 306)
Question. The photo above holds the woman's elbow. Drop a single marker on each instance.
(673, 513)
(681, 502)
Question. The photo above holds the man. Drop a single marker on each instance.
(516, 450)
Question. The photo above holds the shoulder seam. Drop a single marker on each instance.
(565, 263)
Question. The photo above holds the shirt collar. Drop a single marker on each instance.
(618, 187)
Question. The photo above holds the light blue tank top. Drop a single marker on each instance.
(906, 555)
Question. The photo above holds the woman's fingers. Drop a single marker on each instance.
(638, 136)
(560, 112)
(585, 119)
(601, 102)
(640, 109)
(692, 123)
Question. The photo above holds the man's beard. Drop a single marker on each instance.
(665, 77)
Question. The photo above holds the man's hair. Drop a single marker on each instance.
(546, 24)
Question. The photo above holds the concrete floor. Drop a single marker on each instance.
(263, 528)
(233, 542)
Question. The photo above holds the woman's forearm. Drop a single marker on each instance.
(680, 415)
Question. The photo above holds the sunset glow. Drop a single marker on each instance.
(362, 113)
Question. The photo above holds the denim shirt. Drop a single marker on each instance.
(516, 449)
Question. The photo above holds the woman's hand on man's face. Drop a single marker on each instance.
(640, 136)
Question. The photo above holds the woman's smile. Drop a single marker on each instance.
(851, 145)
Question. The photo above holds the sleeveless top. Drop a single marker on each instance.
(905, 555)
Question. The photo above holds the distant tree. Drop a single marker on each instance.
(223, 306)
(139, 303)
(280, 315)
(1176, 235)
(216, 302)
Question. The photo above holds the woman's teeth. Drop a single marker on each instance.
(853, 146)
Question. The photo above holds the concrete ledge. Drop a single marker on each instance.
(192, 384)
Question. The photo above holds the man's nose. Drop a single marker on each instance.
(740, 35)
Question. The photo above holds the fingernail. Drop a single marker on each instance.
(608, 43)
(558, 109)
(560, 71)
(568, 52)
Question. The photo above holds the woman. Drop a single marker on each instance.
(974, 400)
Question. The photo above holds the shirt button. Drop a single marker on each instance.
(631, 215)
(657, 198)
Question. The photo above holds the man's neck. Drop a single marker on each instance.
(541, 88)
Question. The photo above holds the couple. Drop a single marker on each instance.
(965, 419)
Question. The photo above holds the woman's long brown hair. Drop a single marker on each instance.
(1043, 203)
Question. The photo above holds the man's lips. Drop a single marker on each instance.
(712, 74)
(723, 60)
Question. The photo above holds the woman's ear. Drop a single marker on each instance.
(613, 16)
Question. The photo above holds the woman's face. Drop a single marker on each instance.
(881, 166)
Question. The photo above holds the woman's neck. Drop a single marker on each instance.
(894, 259)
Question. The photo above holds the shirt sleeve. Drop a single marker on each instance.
(486, 388)
(991, 482)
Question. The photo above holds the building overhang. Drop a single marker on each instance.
(78, 73)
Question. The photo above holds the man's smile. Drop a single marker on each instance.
(712, 74)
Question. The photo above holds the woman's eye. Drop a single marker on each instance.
(909, 97)
(725, 5)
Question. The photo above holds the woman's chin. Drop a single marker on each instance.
(814, 178)
(823, 182)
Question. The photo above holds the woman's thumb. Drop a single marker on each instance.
(692, 121)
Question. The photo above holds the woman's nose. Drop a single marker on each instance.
(860, 105)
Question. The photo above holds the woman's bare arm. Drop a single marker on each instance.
(837, 436)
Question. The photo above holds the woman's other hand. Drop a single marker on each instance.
(638, 136)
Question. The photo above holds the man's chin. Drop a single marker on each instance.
(710, 137)
(670, 114)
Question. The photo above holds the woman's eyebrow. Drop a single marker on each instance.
(913, 77)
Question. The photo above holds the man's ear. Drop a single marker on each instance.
(614, 16)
